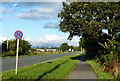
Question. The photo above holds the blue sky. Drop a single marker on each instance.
(37, 20)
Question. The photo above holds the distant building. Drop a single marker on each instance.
(43, 50)
(70, 50)
(51, 49)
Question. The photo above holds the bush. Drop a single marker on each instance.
(105, 58)
(10, 53)
(24, 47)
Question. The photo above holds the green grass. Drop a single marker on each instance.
(55, 69)
(100, 74)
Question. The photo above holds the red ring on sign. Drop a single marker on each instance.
(18, 34)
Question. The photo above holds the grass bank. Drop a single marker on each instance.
(100, 74)
(55, 69)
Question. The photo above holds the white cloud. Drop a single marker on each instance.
(27, 39)
(0, 18)
(5, 11)
(33, 10)
(35, 1)
(42, 10)
(49, 40)
(37, 13)
(3, 39)
(51, 25)
(53, 40)
(39, 10)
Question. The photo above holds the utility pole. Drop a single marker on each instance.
(7, 36)
(7, 43)
(81, 50)
(15, 5)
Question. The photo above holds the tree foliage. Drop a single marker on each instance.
(71, 47)
(64, 47)
(24, 47)
(88, 19)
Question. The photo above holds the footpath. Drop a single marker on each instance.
(82, 71)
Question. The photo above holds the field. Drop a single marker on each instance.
(55, 69)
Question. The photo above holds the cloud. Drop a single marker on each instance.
(27, 39)
(0, 18)
(48, 41)
(38, 4)
(51, 25)
(33, 4)
(40, 11)
(53, 40)
(37, 13)
(5, 11)
(34, 10)
(3, 39)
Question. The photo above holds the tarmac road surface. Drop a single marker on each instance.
(9, 63)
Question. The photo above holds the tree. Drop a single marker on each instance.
(24, 47)
(76, 48)
(64, 47)
(88, 20)
(114, 45)
(72, 48)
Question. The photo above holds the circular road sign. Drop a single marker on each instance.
(18, 34)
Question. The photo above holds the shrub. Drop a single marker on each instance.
(10, 53)
(24, 47)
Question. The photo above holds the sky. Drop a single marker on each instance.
(37, 20)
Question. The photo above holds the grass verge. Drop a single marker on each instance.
(55, 69)
(100, 74)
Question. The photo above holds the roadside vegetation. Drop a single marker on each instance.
(98, 25)
(55, 69)
(98, 70)
(25, 49)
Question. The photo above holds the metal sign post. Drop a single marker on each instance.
(18, 34)
(17, 56)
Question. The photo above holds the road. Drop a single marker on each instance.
(9, 63)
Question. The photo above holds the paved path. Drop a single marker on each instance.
(9, 63)
(82, 71)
